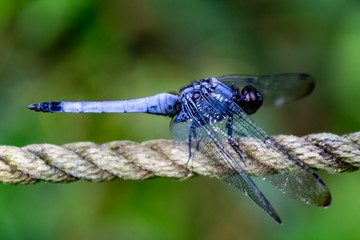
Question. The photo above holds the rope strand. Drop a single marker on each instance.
(165, 158)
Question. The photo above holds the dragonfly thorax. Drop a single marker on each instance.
(196, 101)
(249, 99)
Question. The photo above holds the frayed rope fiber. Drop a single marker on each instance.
(164, 158)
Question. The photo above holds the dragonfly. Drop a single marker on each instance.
(211, 116)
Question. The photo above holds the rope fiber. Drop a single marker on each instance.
(164, 158)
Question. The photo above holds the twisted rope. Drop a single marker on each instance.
(165, 158)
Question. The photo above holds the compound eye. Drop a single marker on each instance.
(252, 99)
(249, 93)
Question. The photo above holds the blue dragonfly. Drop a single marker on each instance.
(211, 116)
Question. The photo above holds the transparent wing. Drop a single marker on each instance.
(205, 139)
(264, 157)
(277, 89)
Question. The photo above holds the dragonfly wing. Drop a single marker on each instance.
(277, 89)
(205, 140)
(266, 158)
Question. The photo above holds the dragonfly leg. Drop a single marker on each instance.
(233, 143)
(191, 133)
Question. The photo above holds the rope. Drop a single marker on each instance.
(165, 158)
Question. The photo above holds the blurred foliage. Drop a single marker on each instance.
(112, 50)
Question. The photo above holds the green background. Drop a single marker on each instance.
(113, 50)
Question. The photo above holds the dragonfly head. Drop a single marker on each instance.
(250, 99)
